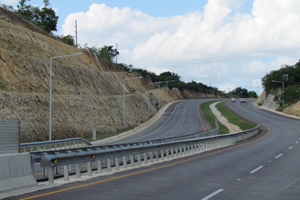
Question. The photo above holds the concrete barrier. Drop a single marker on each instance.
(15, 172)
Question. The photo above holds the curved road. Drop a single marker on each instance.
(180, 118)
(264, 167)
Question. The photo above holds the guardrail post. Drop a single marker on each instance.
(131, 160)
(66, 172)
(124, 160)
(151, 156)
(162, 154)
(117, 163)
(167, 153)
(184, 150)
(108, 164)
(176, 152)
(51, 175)
(156, 156)
(89, 168)
(99, 166)
(138, 159)
(172, 152)
(145, 158)
(78, 170)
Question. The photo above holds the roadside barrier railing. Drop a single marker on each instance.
(54, 145)
(114, 157)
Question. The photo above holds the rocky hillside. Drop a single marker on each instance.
(87, 91)
(268, 102)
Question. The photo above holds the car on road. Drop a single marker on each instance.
(243, 100)
(233, 100)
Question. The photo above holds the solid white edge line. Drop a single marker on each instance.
(253, 171)
(278, 155)
(212, 194)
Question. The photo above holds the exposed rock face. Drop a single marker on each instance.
(270, 103)
(293, 109)
(87, 91)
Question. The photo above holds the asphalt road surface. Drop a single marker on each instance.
(180, 118)
(264, 167)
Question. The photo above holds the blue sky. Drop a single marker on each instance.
(225, 43)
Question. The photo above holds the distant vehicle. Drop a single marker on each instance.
(233, 100)
(243, 100)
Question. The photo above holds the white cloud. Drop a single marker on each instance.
(10, 2)
(217, 46)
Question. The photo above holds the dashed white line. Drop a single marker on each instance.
(297, 142)
(278, 155)
(253, 171)
(212, 194)
(291, 147)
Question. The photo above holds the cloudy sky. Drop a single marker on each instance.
(225, 43)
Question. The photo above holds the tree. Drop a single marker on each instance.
(46, 18)
(68, 39)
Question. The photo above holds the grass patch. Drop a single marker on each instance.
(210, 117)
(233, 118)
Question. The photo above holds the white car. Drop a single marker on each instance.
(233, 100)
(243, 100)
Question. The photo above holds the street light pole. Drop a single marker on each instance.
(148, 95)
(124, 96)
(50, 103)
(282, 92)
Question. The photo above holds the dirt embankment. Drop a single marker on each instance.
(87, 91)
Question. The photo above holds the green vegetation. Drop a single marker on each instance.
(243, 93)
(290, 76)
(233, 118)
(45, 17)
(210, 117)
(68, 39)
(230, 116)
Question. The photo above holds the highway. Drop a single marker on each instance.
(264, 167)
(180, 118)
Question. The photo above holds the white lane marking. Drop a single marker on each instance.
(212, 194)
(160, 126)
(291, 147)
(182, 121)
(297, 142)
(278, 155)
(253, 171)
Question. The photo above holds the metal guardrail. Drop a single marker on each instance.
(36, 156)
(54, 145)
(130, 155)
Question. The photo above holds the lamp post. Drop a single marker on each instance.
(282, 92)
(148, 95)
(159, 91)
(50, 104)
(124, 96)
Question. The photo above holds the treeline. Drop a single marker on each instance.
(109, 53)
(243, 93)
(289, 76)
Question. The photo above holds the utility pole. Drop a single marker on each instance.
(76, 33)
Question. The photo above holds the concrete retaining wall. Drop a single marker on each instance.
(15, 172)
